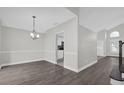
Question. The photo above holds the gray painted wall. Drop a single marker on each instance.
(0, 37)
(70, 30)
(87, 42)
(87, 47)
(101, 43)
(18, 47)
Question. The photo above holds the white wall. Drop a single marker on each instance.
(18, 47)
(87, 48)
(70, 30)
(0, 37)
(0, 43)
(101, 43)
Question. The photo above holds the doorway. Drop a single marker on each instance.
(60, 48)
(114, 43)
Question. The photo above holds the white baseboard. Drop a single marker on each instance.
(53, 62)
(86, 66)
(72, 69)
(50, 61)
(80, 69)
(20, 62)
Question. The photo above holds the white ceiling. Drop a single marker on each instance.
(94, 18)
(99, 18)
(46, 17)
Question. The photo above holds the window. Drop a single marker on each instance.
(114, 45)
(114, 34)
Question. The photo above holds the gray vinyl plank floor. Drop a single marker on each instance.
(45, 73)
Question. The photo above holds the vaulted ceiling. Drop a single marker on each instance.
(46, 17)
